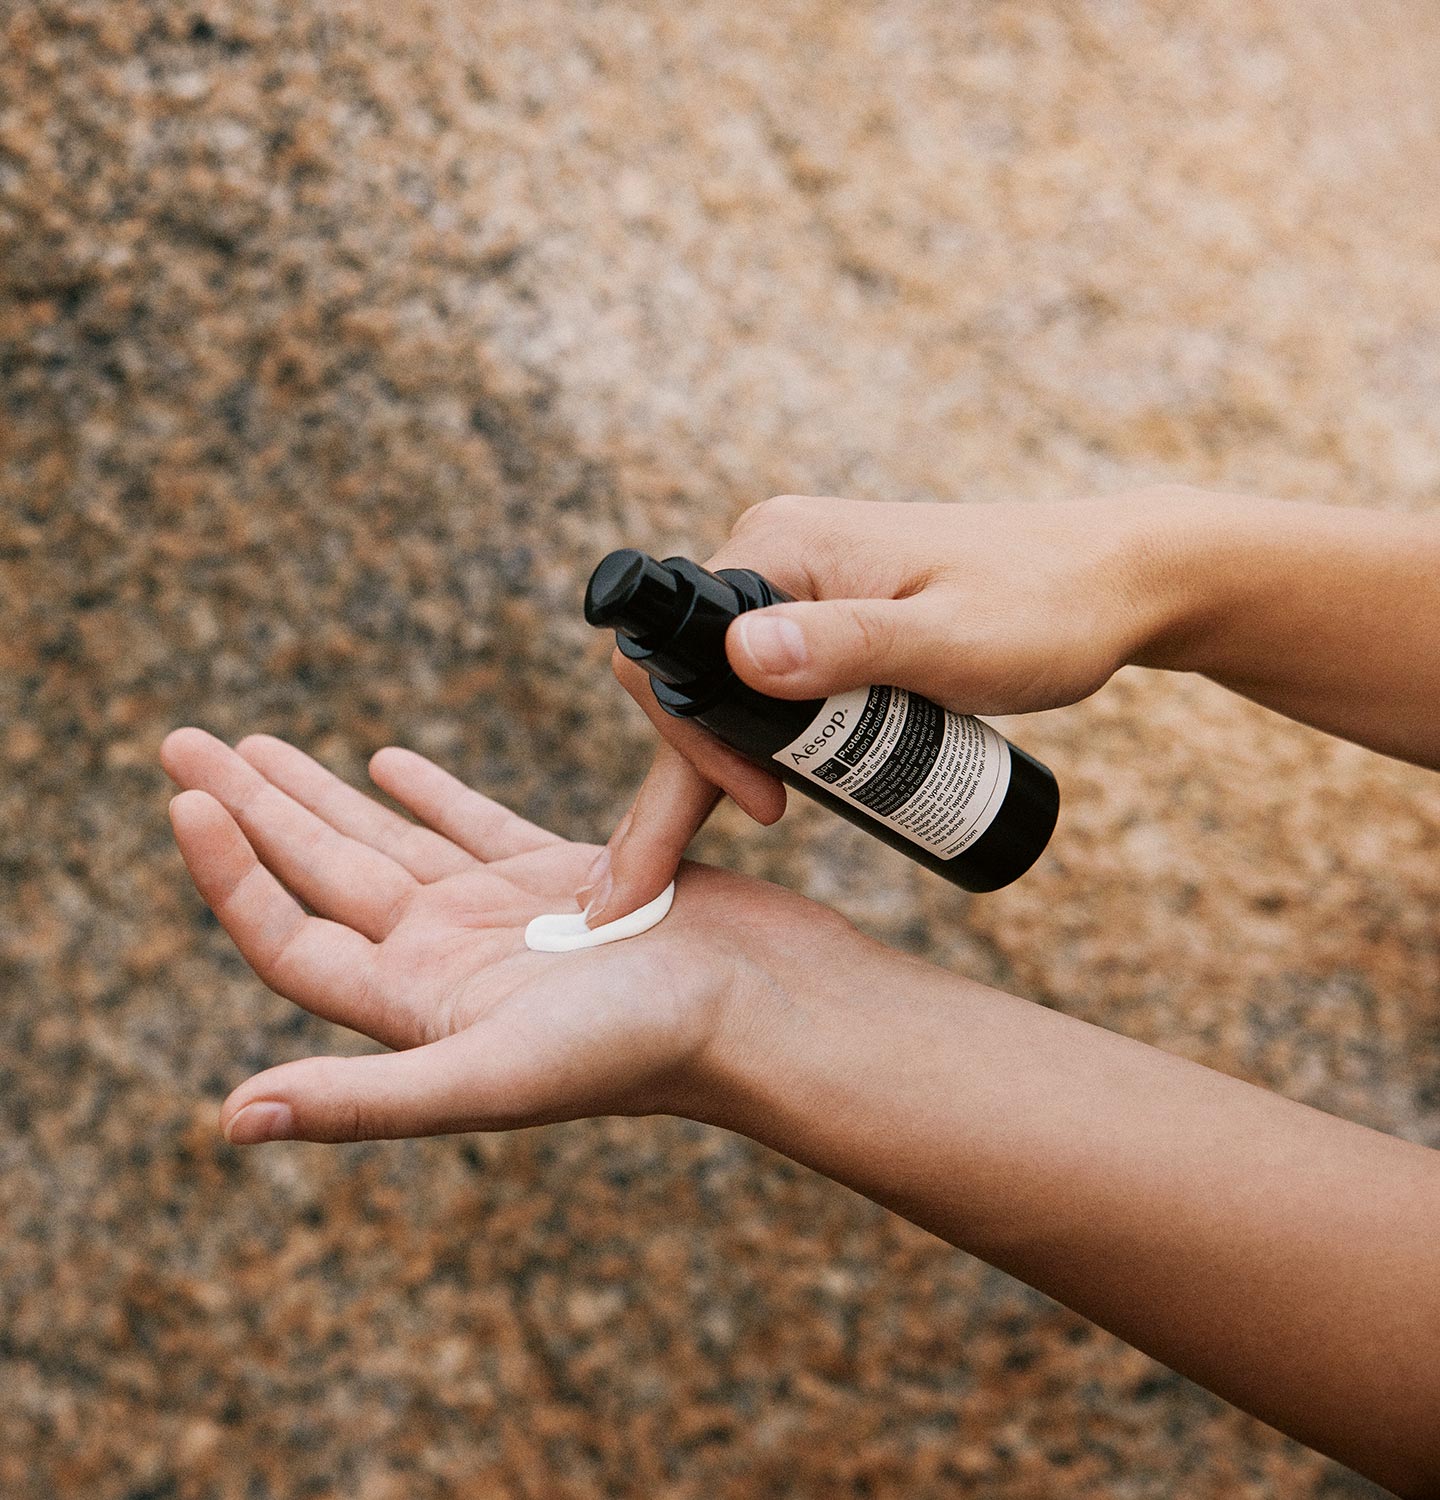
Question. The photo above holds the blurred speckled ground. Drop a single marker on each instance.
(336, 340)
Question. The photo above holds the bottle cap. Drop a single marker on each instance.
(635, 595)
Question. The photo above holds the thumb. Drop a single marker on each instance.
(809, 650)
(429, 1090)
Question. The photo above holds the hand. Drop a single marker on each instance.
(990, 609)
(417, 941)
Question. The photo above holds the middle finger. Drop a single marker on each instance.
(338, 877)
(422, 851)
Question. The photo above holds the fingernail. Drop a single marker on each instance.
(596, 903)
(260, 1122)
(775, 644)
(599, 870)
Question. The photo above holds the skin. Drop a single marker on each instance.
(1284, 1258)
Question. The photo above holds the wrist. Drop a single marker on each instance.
(778, 1007)
(1185, 555)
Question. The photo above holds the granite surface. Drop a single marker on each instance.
(336, 340)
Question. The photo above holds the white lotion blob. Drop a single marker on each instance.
(564, 932)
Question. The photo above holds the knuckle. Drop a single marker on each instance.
(271, 972)
(1166, 494)
(751, 518)
(779, 512)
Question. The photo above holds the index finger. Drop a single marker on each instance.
(756, 791)
(670, 808)
(823, 546)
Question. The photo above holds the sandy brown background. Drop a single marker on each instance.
(336, 341)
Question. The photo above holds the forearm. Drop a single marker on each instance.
(1328, 615)
(1286, 1259)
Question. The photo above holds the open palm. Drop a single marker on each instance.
(414, 936)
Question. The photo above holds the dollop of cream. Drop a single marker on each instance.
(564, 932)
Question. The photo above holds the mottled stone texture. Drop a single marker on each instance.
(336, 341)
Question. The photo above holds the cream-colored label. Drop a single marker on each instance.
(939, 778)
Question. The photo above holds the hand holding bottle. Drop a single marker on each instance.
(1000, 609)
(989, 609)
(944, 788)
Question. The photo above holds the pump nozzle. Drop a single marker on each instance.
(670, 617)
(632, 593)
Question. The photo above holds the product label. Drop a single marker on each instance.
(939, 778)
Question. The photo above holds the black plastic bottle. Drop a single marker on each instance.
(944, 788)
